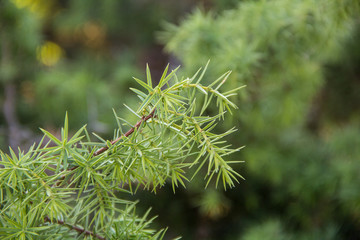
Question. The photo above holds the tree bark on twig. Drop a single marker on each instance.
(76, 228)
(128, 133)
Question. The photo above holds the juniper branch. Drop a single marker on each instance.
(153, 157)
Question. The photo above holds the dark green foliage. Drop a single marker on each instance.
(20, 35)
(298, 60)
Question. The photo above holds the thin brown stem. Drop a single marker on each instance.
(76, 228)
(128, 133)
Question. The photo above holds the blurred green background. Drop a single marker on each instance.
(299, 115)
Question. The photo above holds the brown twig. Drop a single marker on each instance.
(58, 182)
(76, 228)
(128, 133)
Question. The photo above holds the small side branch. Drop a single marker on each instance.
(128, 133)
(76, 228)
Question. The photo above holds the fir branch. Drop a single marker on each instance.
(76, 228)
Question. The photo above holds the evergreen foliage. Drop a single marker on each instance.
(299, 116)
(73, 188)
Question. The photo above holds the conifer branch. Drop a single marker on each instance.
(52, 175)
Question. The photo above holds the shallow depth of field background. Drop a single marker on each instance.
(299, 115)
